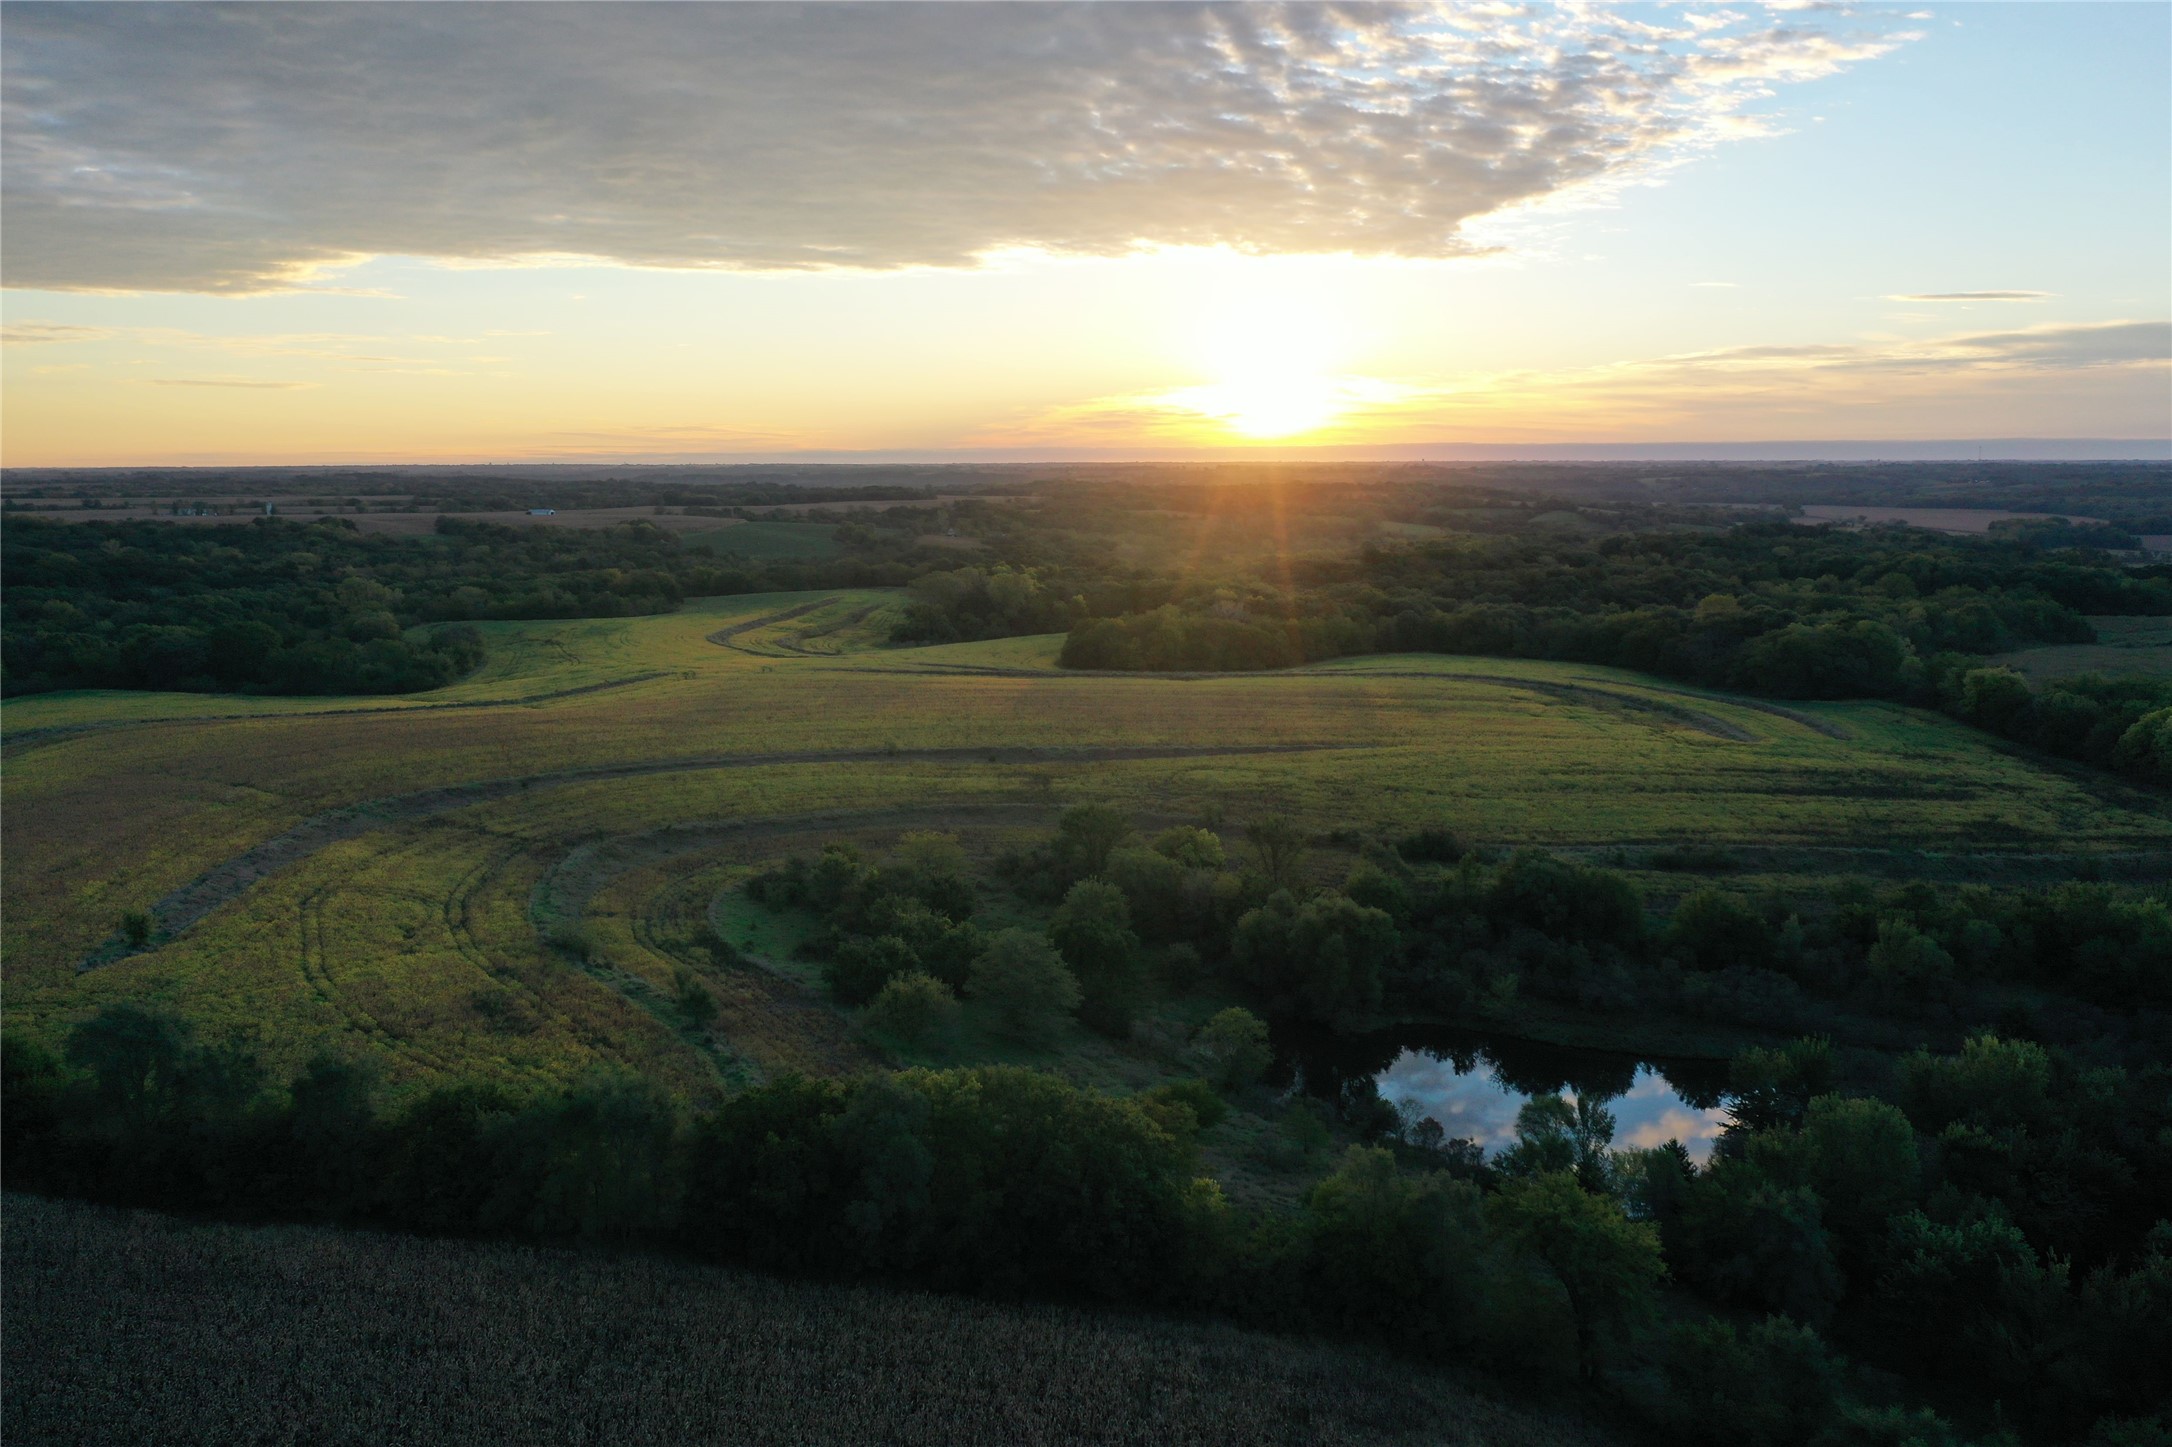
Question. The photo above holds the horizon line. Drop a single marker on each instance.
(1987, 449)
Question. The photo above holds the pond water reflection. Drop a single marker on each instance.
(1474, 1082)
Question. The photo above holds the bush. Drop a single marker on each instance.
(693, 998)
(1773, 1385)
(915, 1009)
(1430, 846)
(862, 965)
(1233, 1049)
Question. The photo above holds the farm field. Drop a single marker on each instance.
(768, 539)
(153, 1329)
(389, 875)
(2141, 646)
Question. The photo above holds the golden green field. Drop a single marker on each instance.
(399, 876)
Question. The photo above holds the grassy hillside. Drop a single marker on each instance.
(149, 1329)
(392, 875)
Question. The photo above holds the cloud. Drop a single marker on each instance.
(1970, 296)
(29, 334)
(247, 148)
(244, 382)
(2106, 378)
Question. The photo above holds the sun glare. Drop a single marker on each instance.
(1273, 374)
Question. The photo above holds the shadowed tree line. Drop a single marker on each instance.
(1769, 608)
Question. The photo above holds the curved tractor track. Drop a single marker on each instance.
(224, 882)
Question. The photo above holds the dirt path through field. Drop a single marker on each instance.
(723, 636)
(190, 903)
(1584, 693)
(33, 738)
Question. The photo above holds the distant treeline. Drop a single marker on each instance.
(1769, 608)
(305, 608)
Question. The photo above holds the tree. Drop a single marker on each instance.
(1858, 1155)
(1773, 1087)
(1554, 1133)
(1281, 849)
(1608, 1266)
(1153, 888)
(1907, 961)
(601, 1155)
(1720, 931)
(915, 1009)
(1092, 931)
(333, 1120)
(1190, 847)
(1324, 958)
(1392, 1251)
(1772, 1385)
(1025, 984)
(1233, 1048)
(863, 965)
(933, 869)
(1084, 836)
(1750, 1239)
(136, 1058)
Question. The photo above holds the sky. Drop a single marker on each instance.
(381, 233)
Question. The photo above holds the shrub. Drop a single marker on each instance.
(1232, 1048)
(1719, 931)
(1773, 1385)
(1430, 846)
(693, 997)
(915, 1009)
(1190, 847)
(575, 939)
(862, 965)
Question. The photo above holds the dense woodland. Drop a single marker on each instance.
(319, 608)
(1982, 1229)
(1767, 608)
(1185, 576)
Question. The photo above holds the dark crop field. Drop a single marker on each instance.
(128, 1327)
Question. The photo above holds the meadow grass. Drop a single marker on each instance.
(418, 936)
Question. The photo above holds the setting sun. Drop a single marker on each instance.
(1274, 374)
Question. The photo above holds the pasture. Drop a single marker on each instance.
(504, 878)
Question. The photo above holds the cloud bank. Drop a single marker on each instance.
(244, 148)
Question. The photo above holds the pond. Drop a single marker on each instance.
(1474, 1082)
